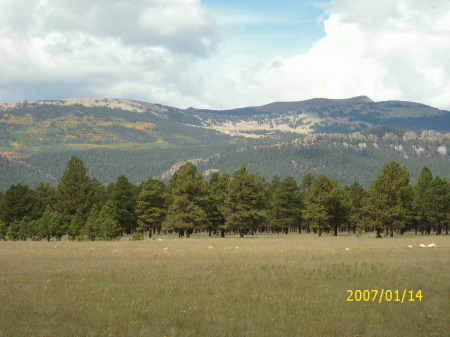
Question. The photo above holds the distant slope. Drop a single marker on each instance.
(96, 123)
(142, 139)
(345, 157)
(345, 117)
(18, 172)
(282, 107)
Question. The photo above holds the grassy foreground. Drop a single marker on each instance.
(272, 285)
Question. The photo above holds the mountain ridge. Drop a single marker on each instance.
(140, 139)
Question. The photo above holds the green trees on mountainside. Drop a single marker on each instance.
(81, 208)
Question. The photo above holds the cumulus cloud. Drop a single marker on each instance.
(151, 50)
(384, 49)
(113, 48)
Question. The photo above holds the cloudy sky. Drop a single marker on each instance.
(225, 53)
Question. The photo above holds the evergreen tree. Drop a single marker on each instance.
(286, 205)
(245, 202)
(45, 195)
(26, 229)
(189, 194)
(422, 203)
(51, 224)
(19, 201)
(356, 194)
(92, 228)
(327, 204)
(439, 195)
(76, 225)
(217, 188)
(3, 230)
(76, 191)
(14, 231)
(389, 201)
(99, 196)
(33, 230)
(151, 206)
(109, 226)
(123, 196)
(306, 182)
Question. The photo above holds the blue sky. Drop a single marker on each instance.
(221, 54)
(254, 30)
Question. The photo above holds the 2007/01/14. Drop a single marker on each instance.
(386, 295)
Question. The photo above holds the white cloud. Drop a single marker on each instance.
(385, 49)
(137, 49)
(154, 50)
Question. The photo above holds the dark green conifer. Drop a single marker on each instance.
(245, 202)
(151, 206)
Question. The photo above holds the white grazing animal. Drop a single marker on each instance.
(410, 246)
(422, 245)
(431, 245)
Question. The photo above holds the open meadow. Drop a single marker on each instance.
(261, 285)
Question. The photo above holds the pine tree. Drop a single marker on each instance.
(356, 193)
(18, 201)
(245, 202)
(306, 182)
(51, 225)
(26, 230)
(286, 205)
(389, 201)
(92, 228)
(439, 195)
(109, 227)
(422, 202)
(45, 196)
(327, 204)
(123, 195)
(217, 188)
(14, 230)
(76, 225)
(189, 194)
(76, 191)
(151, 206)
(3, 230)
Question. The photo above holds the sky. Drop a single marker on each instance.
(223, 54)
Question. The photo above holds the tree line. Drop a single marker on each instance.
(242, 203)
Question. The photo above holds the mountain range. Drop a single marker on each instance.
(140, 139)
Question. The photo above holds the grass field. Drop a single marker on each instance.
(272, 285)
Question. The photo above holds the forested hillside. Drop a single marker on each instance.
(138, 139)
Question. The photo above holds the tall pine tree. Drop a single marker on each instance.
(151, 207)
(389, 201)
(217, 187)
(326, 205)
(423, 200)
(123, 196)
(286, 205)
(75, 191)
(245, 202)
(189, 194)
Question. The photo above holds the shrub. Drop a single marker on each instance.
(137, 236)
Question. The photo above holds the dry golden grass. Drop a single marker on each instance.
(272, 285)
